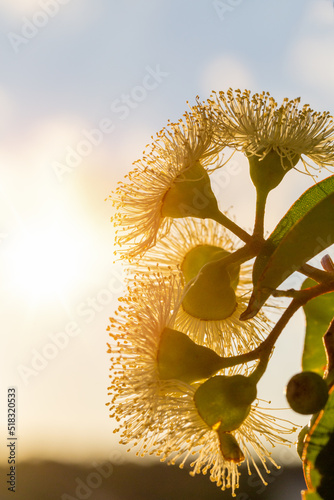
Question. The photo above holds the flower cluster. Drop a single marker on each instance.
(158, 415)
(177, 387)
(188, 237)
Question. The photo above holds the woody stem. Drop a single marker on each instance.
(261, 199)
(263, 351)
(232, 226)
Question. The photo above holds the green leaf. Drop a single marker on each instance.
(296, 212)
(305, 230)
(319, 453)
(319, 312)
(309, 495)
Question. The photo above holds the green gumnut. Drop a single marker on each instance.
(307, 393)
(267, 173)
(211, 297)
(182, 359)
(225, 402)
(190, 195)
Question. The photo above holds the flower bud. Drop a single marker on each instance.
(224, 402)
(190, 195)
(307, 393)
(211, 297)
(200, 255)
(181, 358)
(229, 447)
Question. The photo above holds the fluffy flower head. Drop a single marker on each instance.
(176, 166)
(256, 125)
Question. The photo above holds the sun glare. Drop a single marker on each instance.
(20, 7)
(46, 259)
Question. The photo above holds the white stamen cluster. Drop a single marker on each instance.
(256, 124)
(139, 199)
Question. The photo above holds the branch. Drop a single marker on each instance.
(232, 226)
(263, 351)
(285, 293)
(316, 274)
(261, 199)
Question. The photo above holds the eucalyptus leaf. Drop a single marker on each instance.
(319, 453)
(296, 212)
(309, 495)
(306, 230)
(319, 312)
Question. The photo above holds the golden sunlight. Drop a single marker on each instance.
(20, 7)
(47, 258)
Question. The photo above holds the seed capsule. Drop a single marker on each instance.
(224, 402)
(307, 393)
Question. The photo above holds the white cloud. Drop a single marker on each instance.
(226, 71)
(320, 13)
(311, 54)
(19, 7)
(36, 14)
(311, 61)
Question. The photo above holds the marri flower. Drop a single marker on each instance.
(163, 409)
(258, 126)
(213, 319)
(220, 453)
(146, 349)
(171, 181)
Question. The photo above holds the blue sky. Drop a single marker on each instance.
(57, 86)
